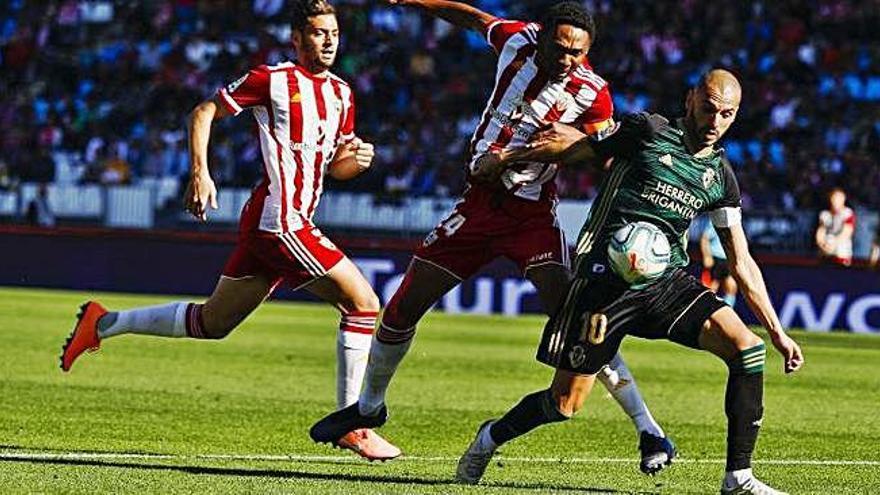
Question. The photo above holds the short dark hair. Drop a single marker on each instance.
(303, 9)
(571, 13)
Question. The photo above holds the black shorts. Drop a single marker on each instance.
(599, 310)
(720, 270)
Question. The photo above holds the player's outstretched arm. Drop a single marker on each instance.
(201, 191)
(456, 13)
(751, 282)
(556, 143)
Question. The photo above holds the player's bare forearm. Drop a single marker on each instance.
(751, 282)
(555, 143)
(456, 13)
(199, 126)
(749, 278)
(201, 192)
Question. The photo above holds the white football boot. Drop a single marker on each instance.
(747, 485)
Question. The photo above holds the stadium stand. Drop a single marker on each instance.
(96, 91)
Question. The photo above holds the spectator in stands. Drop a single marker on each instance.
(834, 235)
(8, 182)
(874, 258)
(76, 75)
(39, 212)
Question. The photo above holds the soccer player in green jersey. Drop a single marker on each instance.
(665, 173)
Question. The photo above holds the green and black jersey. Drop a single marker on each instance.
(653, 178)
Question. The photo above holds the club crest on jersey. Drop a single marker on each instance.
(235, 84)
(577, 356)
(565, 101)
(708, 178)
(667, 160)
(296, 98)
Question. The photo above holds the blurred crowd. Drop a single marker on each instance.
(103, 87)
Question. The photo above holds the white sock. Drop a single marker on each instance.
(622, 386)
(383, 362)
(738, 477)
(167, 320)
(352, 349)
(484, 441)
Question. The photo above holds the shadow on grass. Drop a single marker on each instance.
(304, 475)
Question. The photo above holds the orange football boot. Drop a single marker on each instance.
(369, 445)
(85, 334)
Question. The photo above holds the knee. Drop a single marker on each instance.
(397, 315)
(747, 340)
(364, 301)
(567, 403)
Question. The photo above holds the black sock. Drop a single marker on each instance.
(533, 410)
(744, 405)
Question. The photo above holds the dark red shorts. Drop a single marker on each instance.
(484, 226)
(297, 257)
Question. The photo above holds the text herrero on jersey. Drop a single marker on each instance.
(654, 178)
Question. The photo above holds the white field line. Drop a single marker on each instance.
(75, 456)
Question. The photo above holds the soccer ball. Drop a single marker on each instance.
(639, 252)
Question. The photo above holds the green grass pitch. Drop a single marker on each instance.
(151, 415)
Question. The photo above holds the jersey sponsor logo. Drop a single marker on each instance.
(326, 147)
(666, 160)
(708, 178)
(235, 84)
(673, 198)
(548, 256)
(565, 101)
(514, 120)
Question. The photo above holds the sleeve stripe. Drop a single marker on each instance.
(229, 102)
(490, 27)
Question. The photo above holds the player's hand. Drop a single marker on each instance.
(708, 262)
(552, 141)
(488, 169)
(792, 356)
(363, 153)
(200, 193)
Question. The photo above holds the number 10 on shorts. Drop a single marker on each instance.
(448, 226)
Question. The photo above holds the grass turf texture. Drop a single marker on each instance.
(260, 390)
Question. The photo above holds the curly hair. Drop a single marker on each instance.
(303, 9)
(572, 14)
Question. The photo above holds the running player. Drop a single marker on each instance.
(543, 76)
(305, 116)
(664, 173)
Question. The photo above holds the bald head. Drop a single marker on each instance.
(722, 84)
(712, 106)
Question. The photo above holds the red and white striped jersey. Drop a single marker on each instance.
(524, 98)
(834, 224)
(301, 120)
